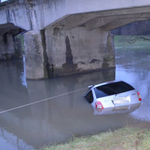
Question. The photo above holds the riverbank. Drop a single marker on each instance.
(130, 42)
(128, 138)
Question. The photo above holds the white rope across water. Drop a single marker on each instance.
(39, 101)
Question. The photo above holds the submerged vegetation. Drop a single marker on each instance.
(128, 138)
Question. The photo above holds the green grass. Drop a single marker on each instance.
(22, 41)
(122, 139)
(132, 42)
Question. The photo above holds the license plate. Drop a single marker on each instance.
(120, 108)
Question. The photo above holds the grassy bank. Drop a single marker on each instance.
(122, 139)
(132, 42)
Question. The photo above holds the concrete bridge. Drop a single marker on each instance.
(65, 36)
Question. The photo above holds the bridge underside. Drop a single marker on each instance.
(75, 43)
(7, 28)
(106, 20)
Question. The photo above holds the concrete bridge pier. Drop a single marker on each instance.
(57, 52)
(8, 49)
(10, 46)
(34, 55)
(6, 46)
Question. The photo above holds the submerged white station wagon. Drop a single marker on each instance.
(115, 94)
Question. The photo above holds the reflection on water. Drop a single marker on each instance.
(133, 67)
(23, 74)
(9, 141)
(66, 114)
(49, 122)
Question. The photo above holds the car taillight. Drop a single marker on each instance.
(99, 105)
(139, 96)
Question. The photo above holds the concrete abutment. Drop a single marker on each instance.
(57, 52)
(34, 55)
(10, 47)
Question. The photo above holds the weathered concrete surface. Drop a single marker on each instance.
(16, 14)
(38, 14)
(34, 54)
(78, 50)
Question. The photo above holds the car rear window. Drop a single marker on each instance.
(112, 88)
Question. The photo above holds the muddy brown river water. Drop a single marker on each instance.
(46, 112)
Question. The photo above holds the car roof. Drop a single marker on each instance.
(97, 85)
(105, 83)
